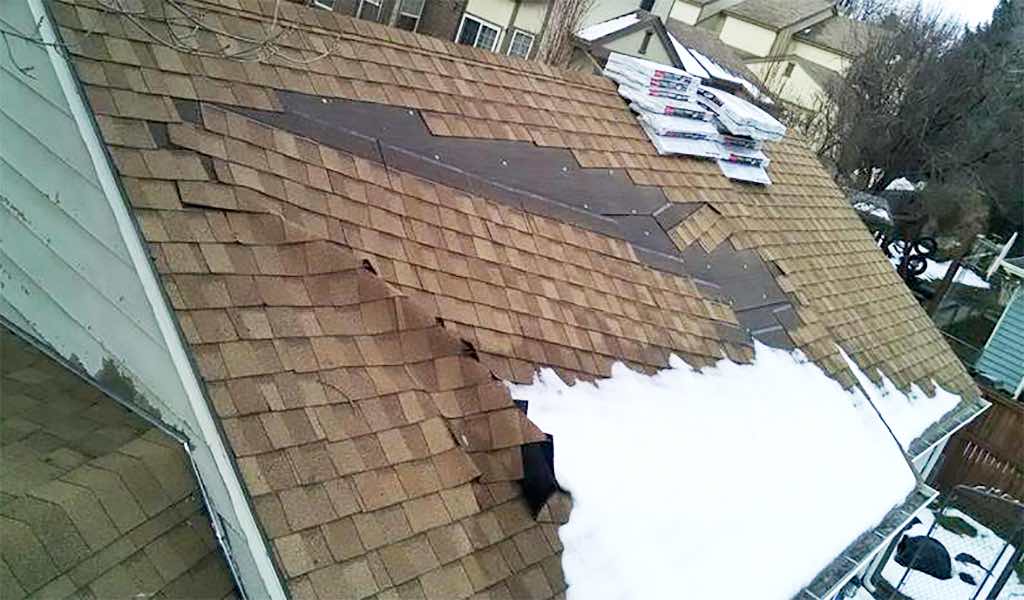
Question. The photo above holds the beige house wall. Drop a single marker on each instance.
(746, 36)
(602, 10)
(825, 58)
(798, 89)
(630, 45)
(531, 16)
(685, 12)
(495, 12)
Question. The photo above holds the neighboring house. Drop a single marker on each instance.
(644, 35)
(761, 28)
(515, 27)
(797, 49)
(1001, 361)
(512, 27)
(798, 82)
(319, 273)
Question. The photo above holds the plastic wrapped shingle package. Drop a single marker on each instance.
(680, 117)
(656, 77)
(739, 116)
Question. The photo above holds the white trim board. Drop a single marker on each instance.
(271, 584)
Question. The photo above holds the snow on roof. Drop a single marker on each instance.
(731, 463)
(690, 63)
(599, 30)
(719, 72)
(907, 415)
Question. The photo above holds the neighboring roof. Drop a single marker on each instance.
(95, 501)
(1000, 360)
(779, 14)
(707, 43)
(360, 247)
(842, 34)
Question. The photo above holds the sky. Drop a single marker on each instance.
(971, 12)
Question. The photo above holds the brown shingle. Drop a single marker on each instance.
(409, 558)
(379, 488)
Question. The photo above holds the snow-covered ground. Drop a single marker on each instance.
(738, 481)
(875, 211)
(985, 546)
(937, 270)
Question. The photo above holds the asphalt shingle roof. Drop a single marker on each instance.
(359, 246)
(778, 13)
(96, 502)
(842, 34)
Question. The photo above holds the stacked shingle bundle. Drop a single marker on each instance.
(680, 116)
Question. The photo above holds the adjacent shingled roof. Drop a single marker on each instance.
(842, 34)
(94, 502)
(778, 13)
(359, 246)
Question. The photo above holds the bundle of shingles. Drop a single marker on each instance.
(681, 116)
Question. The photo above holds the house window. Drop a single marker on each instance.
(326, 4)
(409, 13)
(368, 10)
(521, 44)
(789, 69)
(476, 32)
(647, 5)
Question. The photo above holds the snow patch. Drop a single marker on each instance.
(745, 478)
(935, 271)
(599, 30)
(901, 185)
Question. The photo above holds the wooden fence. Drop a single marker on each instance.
(989, 451)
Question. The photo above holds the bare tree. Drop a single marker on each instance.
(865, 10)
(564, 19)
(932, 101)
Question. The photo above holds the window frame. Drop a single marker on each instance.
(483, 23)
(362, 3)
(512, 41)
(418, 18)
